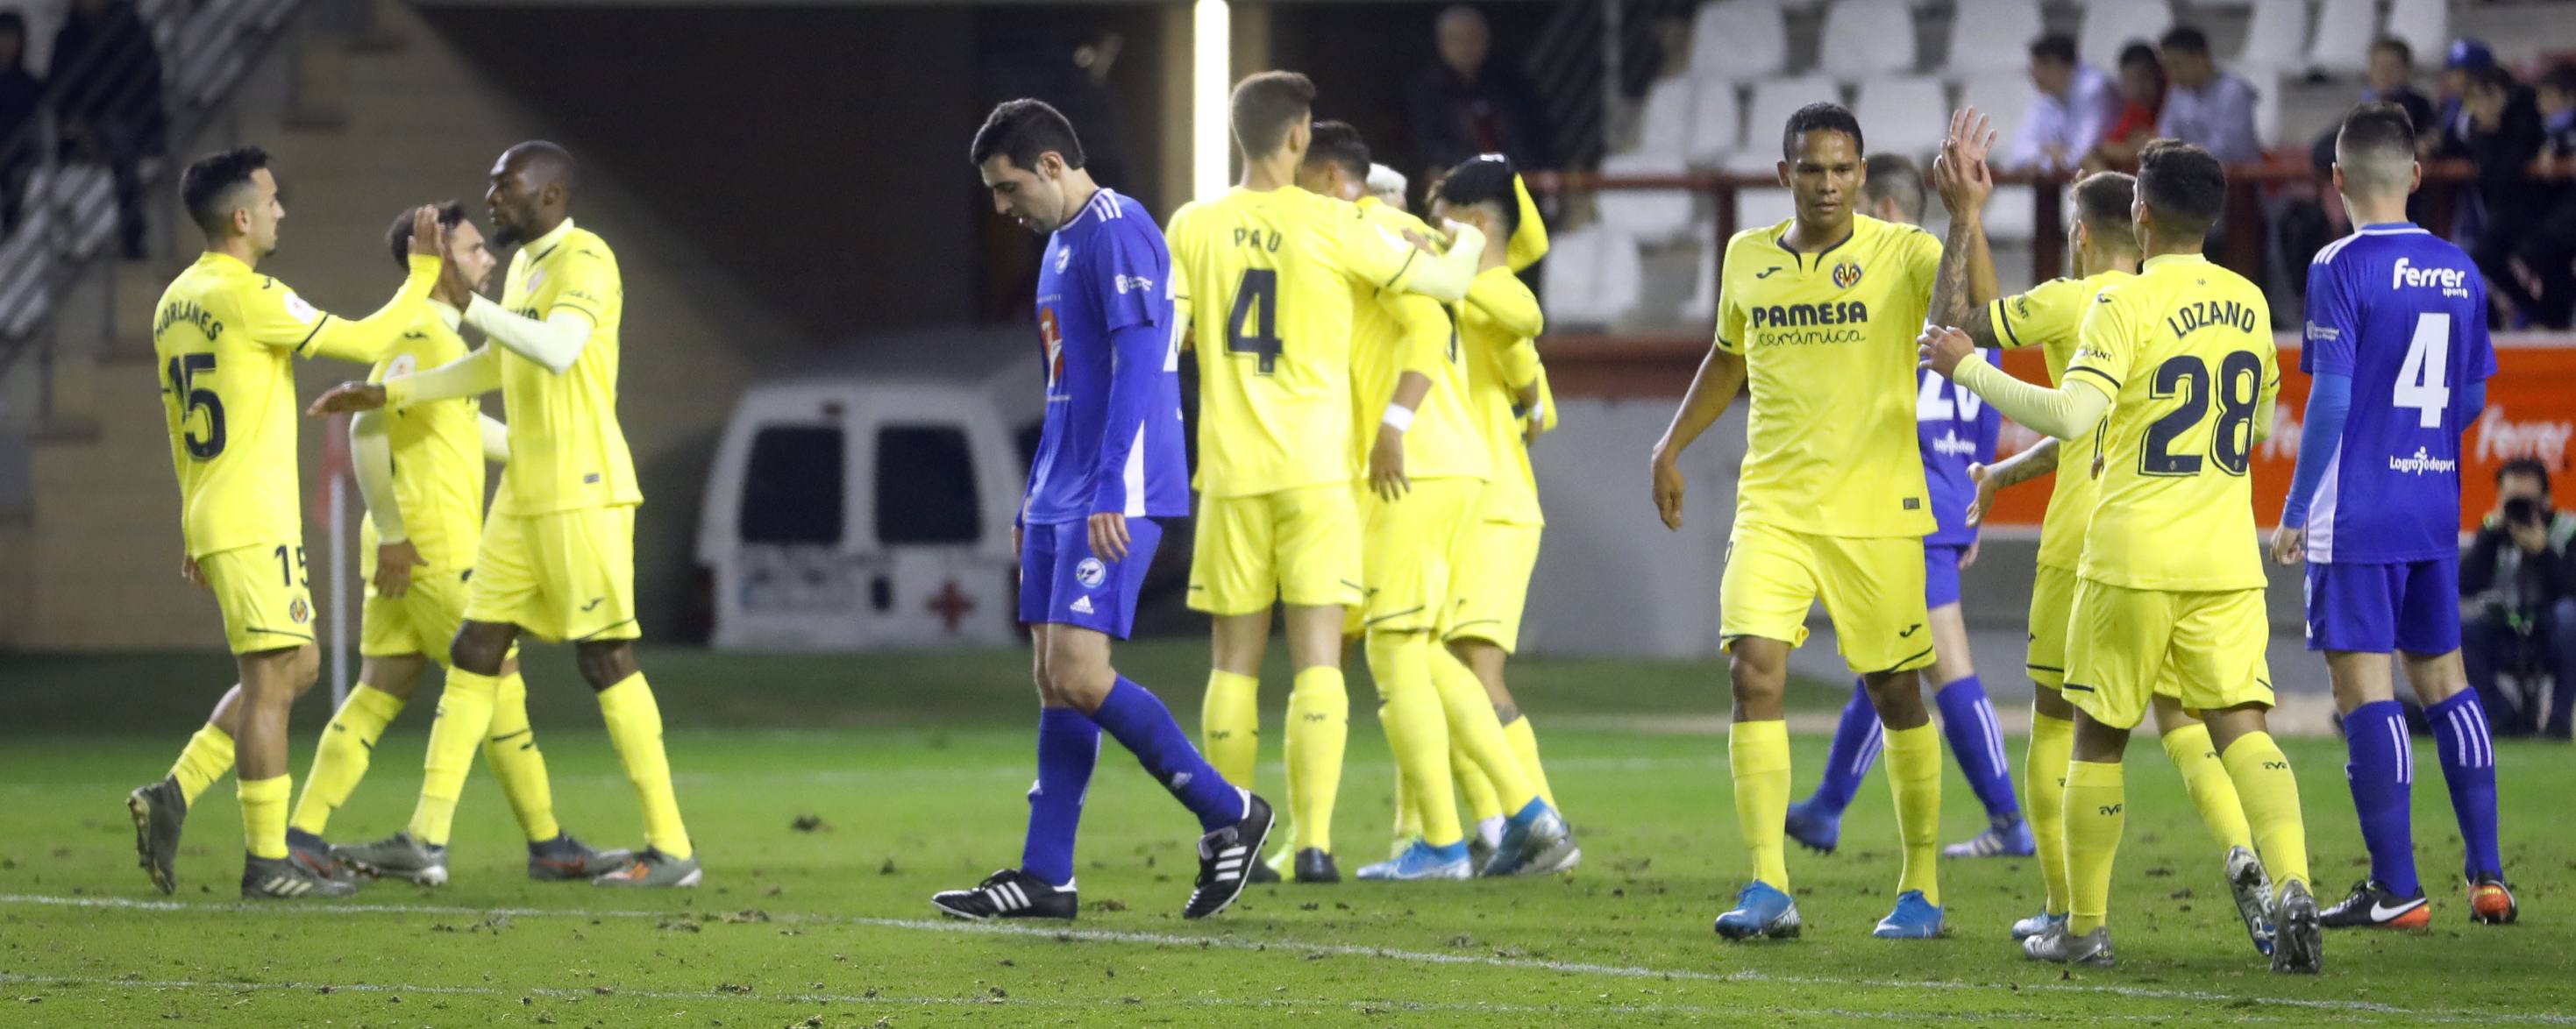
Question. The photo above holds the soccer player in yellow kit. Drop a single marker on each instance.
(1265, 274)
(1426, 467)
(421, 474)
(2050, 316)
(224, 336)
(2181, 359)
(1832, 502)
(557, 557)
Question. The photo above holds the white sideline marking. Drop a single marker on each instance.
(1336, 949)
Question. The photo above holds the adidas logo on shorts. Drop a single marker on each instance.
(1082, 605)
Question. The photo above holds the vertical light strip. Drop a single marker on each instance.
(1211, 35)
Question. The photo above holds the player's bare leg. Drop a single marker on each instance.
(1317, 734)
(2463, 745)
(271, 682)
(2187, 744)
(2270, 793)
(1757, 754)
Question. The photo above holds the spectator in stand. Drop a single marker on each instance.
(2142, 101)
(2207, 107)
(20, 95)
(2391, 78)
(2544, 259)
(2074, 103)
(2520, 584)
(107, 92)
(1472, 101)
(2504, 135)
(2450, 133)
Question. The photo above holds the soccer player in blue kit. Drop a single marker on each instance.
(2397, 342)
(1109, 463)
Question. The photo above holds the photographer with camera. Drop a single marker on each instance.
(2519, 586)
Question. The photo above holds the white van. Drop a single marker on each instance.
(850, 510)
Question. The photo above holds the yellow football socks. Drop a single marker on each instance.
(2095, 798)
(635, 729)
(2271, 797)
(1524, 741)
(263, 804)
(510, 747)
(1472, 784)
(1474, 732)
(208, 755)
(2052, 745)
(341, 760)
(1319, 729)
(1417, 729)
(464, 713)
(1914, 776)
(1230, 725)
(1758, 755)
(2205, 778)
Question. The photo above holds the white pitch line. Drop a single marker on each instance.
(1335, 949)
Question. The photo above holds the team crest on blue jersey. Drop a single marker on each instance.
(1090, 573)
(1064, 256)
(1847, 275)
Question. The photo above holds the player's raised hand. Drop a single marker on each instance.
(1941, 348)
(428, 237)
(1984, 479)
(1972, 137)
(2289, 545)
(394, 562)
(1386, 465)
(1959, 174)
(348, 397)
(1109, 536)
(1668, 491)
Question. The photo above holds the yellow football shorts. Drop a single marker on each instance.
(424, 619)
(2052, 610)
(2122, 641)
(563, 575)
(1872, 589)
(1300, 546)
(1406, 546)
(264, 594)
(1489, 583)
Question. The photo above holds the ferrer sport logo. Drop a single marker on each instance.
(1090, 573)
(1847, 275)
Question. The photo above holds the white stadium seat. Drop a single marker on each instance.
(1665, 125)
(1739, 40)
(2005, 98)
(2112, 24)
(2344, 31)
(1593, 277)
(1716, 125)
(2277, 37)
(1648, 215)
(2425, 25)
(1767, 115)
(1906, 115)
(1992, 36)
(1866, 38)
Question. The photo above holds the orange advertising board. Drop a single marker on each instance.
(2531, 412)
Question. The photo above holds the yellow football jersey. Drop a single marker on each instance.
(1394, 333)
(2185, 351)
(224, 335)
(1269, 278)
(566, 448)
(437, 447)
(1498, 321)
(2051, 317)
(1828, 345)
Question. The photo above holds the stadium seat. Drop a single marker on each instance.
(1648, 215)
(1739, 40)
(1716, 125)
(1866, 38)
(1768, 113)
(1701, 305)
(1593, 277)
(1758, 207)
(2425, 25)
(2276, 39)
(2344, 31)
(2267, 103)
(1907, 114)
(2112, 24)
(2004, 97)
(1991, 36)
(1664, 128)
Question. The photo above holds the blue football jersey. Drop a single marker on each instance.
(1112, 437)
(2403, 313)
(1956, 428)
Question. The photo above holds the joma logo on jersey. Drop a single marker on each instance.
(1778, 316)
(1257, 239)
(2191, 318)
(1847, 274)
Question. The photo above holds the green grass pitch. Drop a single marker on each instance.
(916, 765)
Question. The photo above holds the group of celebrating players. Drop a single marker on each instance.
(1369, 390)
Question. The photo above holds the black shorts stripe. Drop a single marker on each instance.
(604, 628)
(1414, 610)
(2044, 668)
(2073, 688)
(1900, 666)
(512, 736)
(306, 636)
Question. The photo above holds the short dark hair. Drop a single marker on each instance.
(2493, 76)
(2054, 46)
(12, 21)
(2102, 202)
(2531, 466)
(2185, 39)
(2393, 44)
(211, 180)
(398, 239)
(1484, 180)
(2376, 144)
(2140, 53)
(2183, 184)
(2560, 77)
(1337, 142)
(1895, 176)
(1821, 116)
(1023, 129)
(1265, 105)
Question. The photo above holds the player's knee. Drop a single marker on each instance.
(605, 664)
(1755, 674)
(1078, 683)
(476, 653)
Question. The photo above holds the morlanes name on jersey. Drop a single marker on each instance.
(178, 311)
